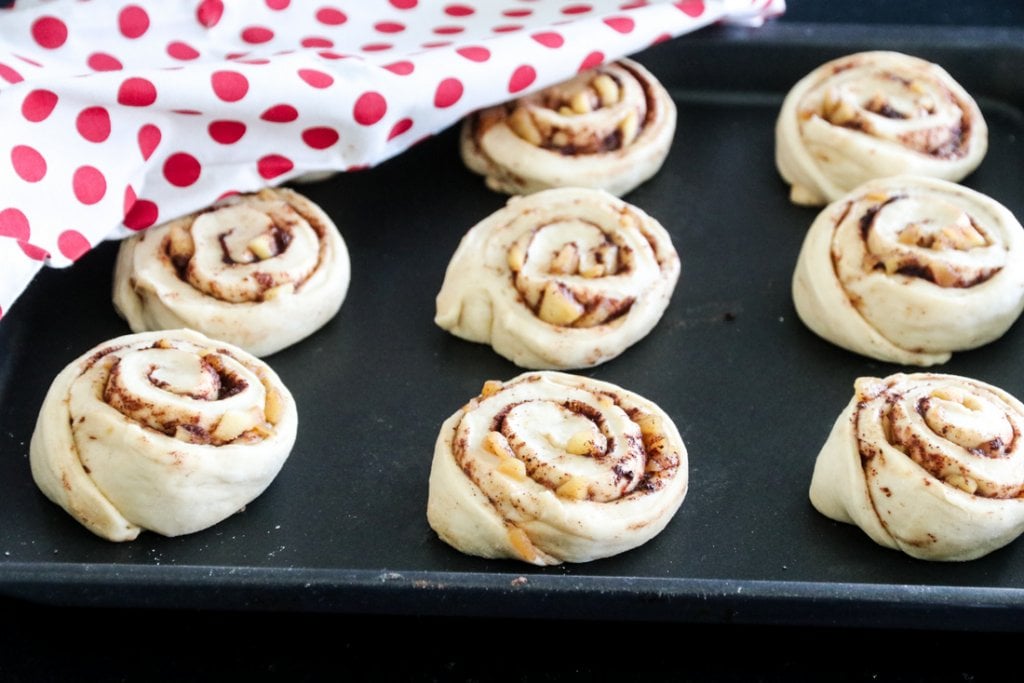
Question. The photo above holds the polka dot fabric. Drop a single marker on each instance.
(122, 115)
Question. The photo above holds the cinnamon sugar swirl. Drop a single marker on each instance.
(910, 270)
(872, 115)
(168, 431)
(607, 128)
(549, 467)
(560, 279)
(928, 464)
(262, 271)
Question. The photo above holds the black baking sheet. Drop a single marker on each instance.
(754, 393)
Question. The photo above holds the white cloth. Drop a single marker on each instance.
(126, 114)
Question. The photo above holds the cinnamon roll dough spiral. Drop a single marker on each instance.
(928, 464)
(871, 115)
(262, 271)
(910, 269)
(550, 467)
(560, 279)
(608, 128)
(168, 431)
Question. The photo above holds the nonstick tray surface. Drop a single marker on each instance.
(343, 528)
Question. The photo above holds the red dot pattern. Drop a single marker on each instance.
(229, 86)
(286, 98)
(401, 126)
(101, 61)
(136, 92)
(149, 137)
(226, 132)
(49, 33)
(320, 137)
(280, 113)
(93, 124)
(331, 16)
(38, 105)
(474, 53)
(9, 74)
(181, 50)
(13, 223)
(592, 60)
(182, 169)
(89, 184)
(522, 78)
(549, 39)
(133, 21)
(449, 91)
(28, 163)
(142, 215)
(402, 68)
(273, 165)
(691, 8)
(72, 244)
(317, 79)
(370, 108)
(209, 12)
(620, 24)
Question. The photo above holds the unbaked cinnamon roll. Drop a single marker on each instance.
(168, 431)
(560, 279)
(910, 269)
(871, 115)
(608, 128)
(262, 271)
(928, 464)
(550, 467)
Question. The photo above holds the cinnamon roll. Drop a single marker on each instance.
(871, 115)
(550, 467)
(928, 464)
(910, 269)
(168, 431)
(560, 279)
(262, 271)
(607, 128)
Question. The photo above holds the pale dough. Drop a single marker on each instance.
(910, 269)
(262, 271)
(608, 128)
(871, 115)
(168, 431)
(560, 279)
(927, 464)
(551, 467)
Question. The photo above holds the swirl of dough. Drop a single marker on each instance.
(928, 464)
(564, 278)
(262, 271)
(168, 431)
(909, 269)
(608, 128)
(872, 115)
(550, 467)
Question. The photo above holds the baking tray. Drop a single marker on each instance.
(343, 527)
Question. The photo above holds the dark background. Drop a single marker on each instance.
(42, 643)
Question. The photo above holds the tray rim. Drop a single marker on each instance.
(688, 600)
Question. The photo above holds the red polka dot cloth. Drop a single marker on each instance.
(121, 115)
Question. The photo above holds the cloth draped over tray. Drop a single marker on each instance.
(121, 115)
